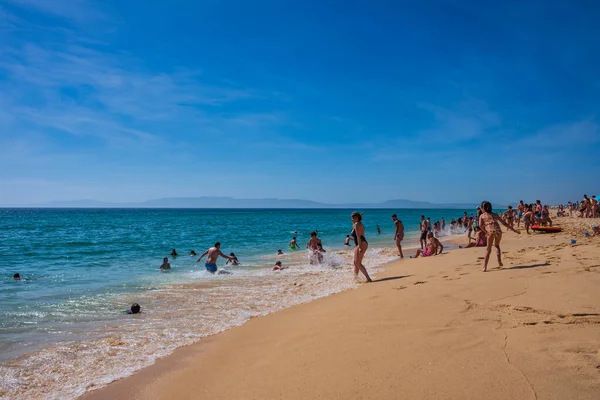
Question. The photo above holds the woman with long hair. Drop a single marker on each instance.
(361, 245)
(489, 223)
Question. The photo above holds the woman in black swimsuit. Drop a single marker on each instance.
(361, 245)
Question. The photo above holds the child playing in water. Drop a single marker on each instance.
(490, 224)
(233, 260)
(278, 266)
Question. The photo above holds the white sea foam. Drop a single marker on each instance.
(173, 316)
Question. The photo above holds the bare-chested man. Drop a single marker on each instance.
(399, 235)
(520, 211)
(212, 255)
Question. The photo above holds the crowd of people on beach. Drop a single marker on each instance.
(483, 229)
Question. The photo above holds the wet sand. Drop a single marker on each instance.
(428, 328)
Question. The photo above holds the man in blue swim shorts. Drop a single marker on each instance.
(212, 255)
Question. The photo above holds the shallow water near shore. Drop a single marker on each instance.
(63, 330)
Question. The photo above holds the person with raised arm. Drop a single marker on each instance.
(489, 222)
(212, 255)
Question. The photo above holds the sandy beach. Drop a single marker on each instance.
(430, 328)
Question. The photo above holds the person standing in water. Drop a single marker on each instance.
(361, 245)
(165, 264)
(490, 224)
(294, 244)
(399, 235)
(212, 256)
(313, 244)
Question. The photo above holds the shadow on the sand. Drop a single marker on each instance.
(392, 278)
(521, 267)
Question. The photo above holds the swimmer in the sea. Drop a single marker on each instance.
(233, 260)
(174, 253)
(134, 309)
(279, 252)
(212, 256)
(17, 276)
(378, 230)
(193, 253)
(165, 264)
(278, 266)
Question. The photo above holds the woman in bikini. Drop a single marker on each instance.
(490, 224)
(361, 245)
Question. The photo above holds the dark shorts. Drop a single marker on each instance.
(212, 267)
(423, 235)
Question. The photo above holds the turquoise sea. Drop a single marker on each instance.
(63, 330)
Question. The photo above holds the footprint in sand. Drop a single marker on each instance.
(445, 276)
(465, 273)
(399, 287)
(419, 282)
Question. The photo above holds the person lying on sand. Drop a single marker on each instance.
(432, 248)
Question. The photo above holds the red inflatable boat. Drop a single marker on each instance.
(553, 229)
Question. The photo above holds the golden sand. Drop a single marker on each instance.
(430, 328)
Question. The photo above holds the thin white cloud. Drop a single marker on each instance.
(558, 136)
(79, 11)
(469, 119)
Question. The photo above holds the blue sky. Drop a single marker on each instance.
(442, 101)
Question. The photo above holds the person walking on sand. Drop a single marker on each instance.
(490, 223)
(361, 245)
(399, 235)
(212, 256)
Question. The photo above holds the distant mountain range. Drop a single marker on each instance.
(229, 202)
